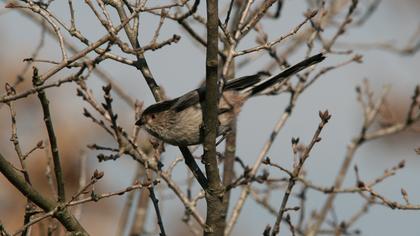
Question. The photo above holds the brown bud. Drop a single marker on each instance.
(9, 89)
(356, 168)
(417, 91)
(404, 193)
(98, 174)
(358, 58)
(325, 116)
(79, 92)
(40, 144)
(266, 161)
(94, 196)
(107, 88)
(358, 89)
(176, 38)
(360, 184)
(401, 164)
(86, 113)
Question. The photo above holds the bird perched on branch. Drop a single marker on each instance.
(178, 121)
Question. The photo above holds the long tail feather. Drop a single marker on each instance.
(285, 74)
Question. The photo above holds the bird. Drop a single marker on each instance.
(179, 121)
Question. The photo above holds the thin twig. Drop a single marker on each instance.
(325, 116)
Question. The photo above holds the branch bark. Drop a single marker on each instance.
(63, 215)
(214, 193)
(51, 135)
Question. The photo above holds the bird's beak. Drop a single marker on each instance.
(140, 122)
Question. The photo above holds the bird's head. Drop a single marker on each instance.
(153, 115)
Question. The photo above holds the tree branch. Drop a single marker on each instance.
(214, 193)
(63, 215)
(51, 135)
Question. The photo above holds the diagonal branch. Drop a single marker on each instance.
(63, 215)
(51, 135)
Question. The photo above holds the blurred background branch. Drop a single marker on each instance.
(93, 49)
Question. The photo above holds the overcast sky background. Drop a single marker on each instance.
(180, 68)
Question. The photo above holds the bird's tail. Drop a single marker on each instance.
(257, 85)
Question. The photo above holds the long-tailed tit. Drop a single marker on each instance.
(178, 121)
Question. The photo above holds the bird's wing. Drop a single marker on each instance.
(198, 95)
(177, 104)
(187, 100)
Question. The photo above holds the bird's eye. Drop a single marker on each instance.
(153, 116)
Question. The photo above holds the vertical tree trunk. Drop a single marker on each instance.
(214, 192)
